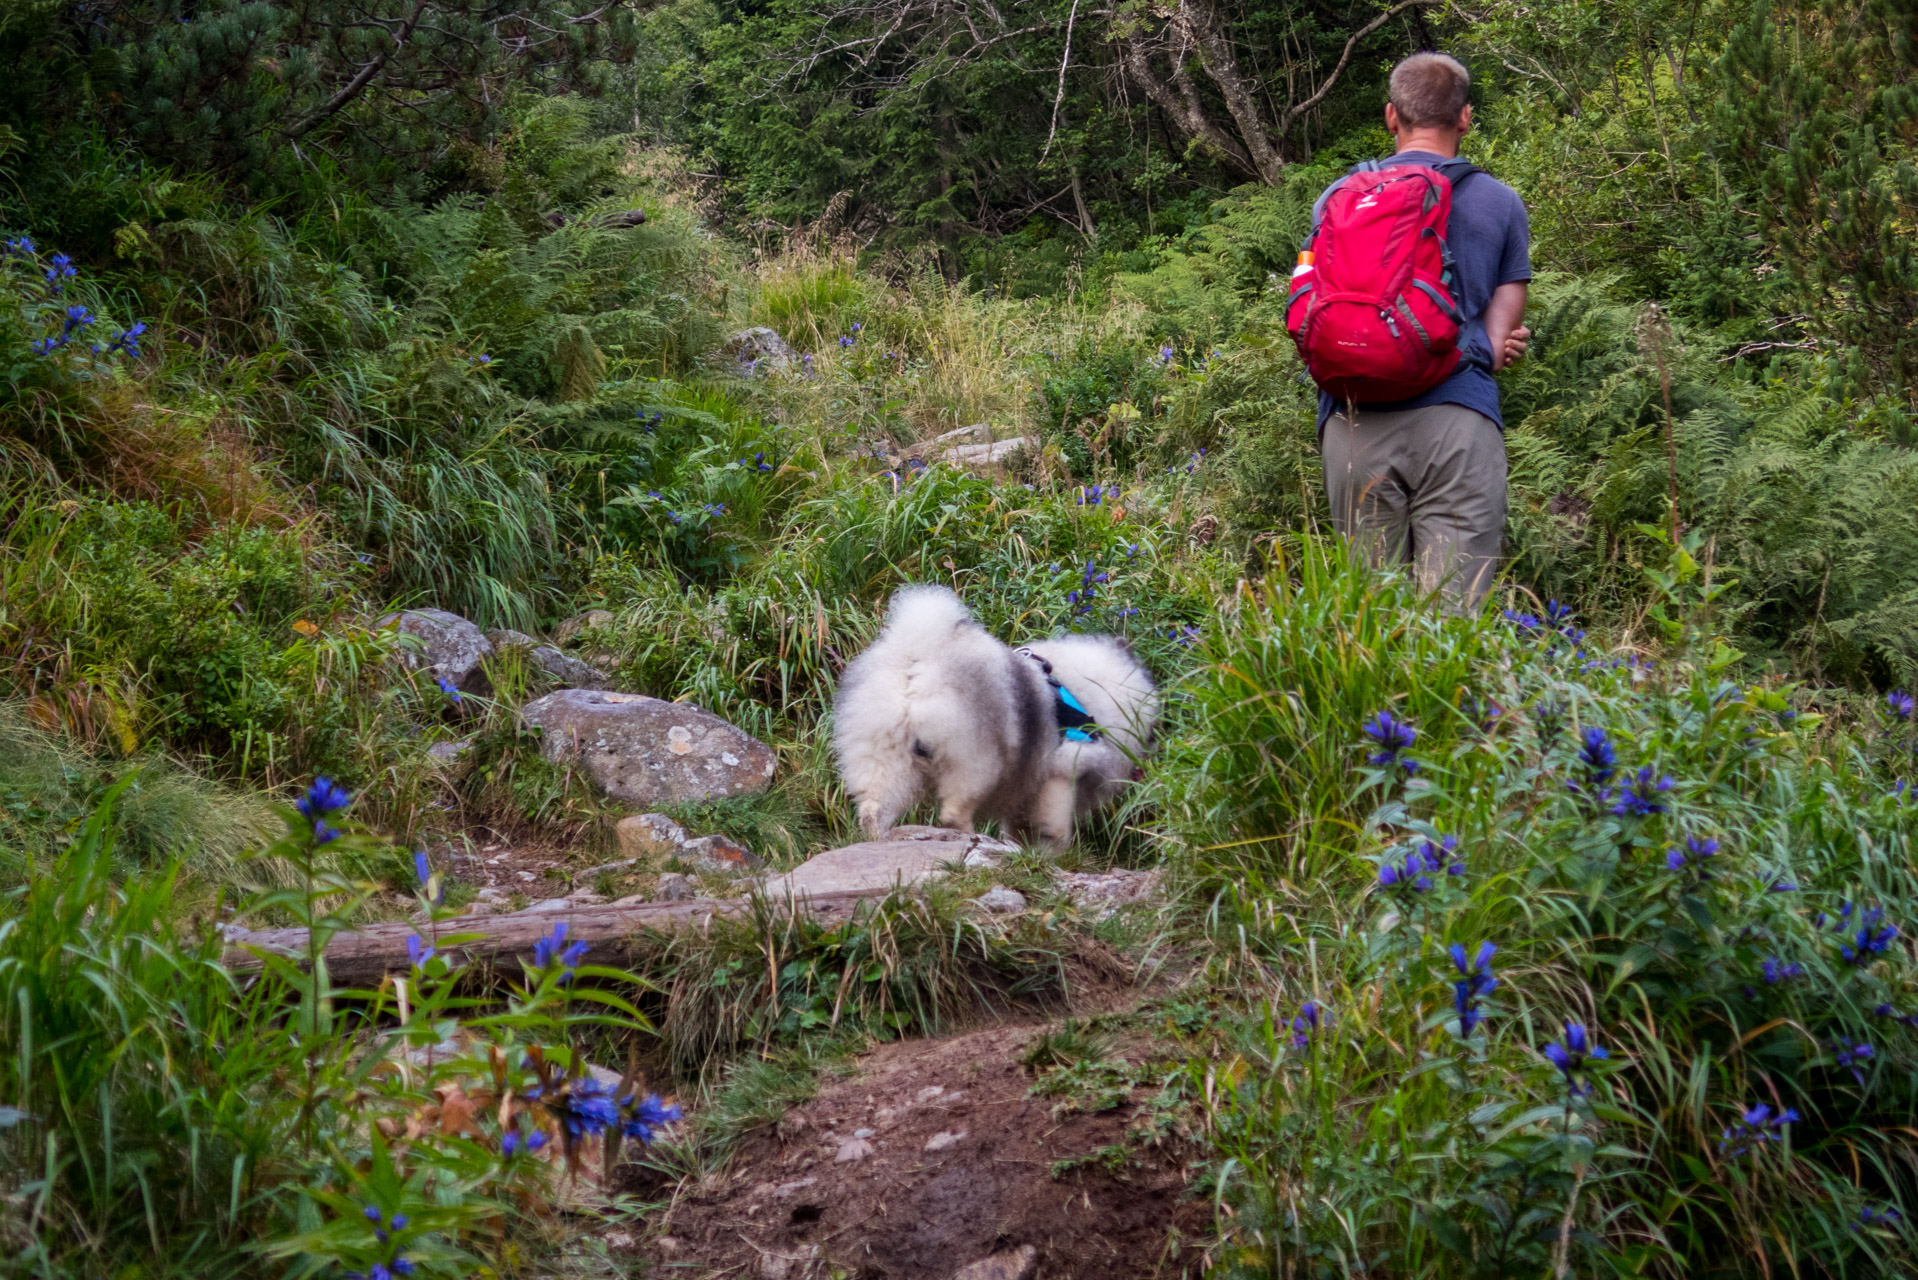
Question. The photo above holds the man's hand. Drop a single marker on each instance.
(1505, 329)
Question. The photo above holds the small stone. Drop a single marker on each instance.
(552, 904)
(978, 858)
(450, 750)
(852, 1150)
(944, 1139)
(527, 876)
(491, 894)
(450, 647)
(785, 1189)
(758, 351)
(863, 1133)
(674, 887)
(716, 855)
(1001, 900)
(571, 629)
(667, 1245)
(930, 1092)
(618, 1240)
(1010, 1264)
(649, 835)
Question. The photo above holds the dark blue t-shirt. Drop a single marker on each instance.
(1490, 237)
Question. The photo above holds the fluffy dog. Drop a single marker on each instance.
(937, 700)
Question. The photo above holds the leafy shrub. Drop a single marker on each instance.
(1707, 883)
(172, 1113)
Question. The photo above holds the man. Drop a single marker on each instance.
(1422, 481)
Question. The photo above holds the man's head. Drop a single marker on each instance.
(1428, 98)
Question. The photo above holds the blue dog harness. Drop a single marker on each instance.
(1075, 722)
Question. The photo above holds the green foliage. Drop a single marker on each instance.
(271, 93)
(909, 965)
(1718, 975)
(173, 1114)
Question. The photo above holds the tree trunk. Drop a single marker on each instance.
(360, 958)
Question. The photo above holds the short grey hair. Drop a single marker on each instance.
(1430, 90)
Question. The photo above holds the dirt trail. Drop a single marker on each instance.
(936, 1155)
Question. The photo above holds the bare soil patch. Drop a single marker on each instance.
(934, 1156)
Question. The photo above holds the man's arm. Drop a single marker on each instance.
(1505, 331)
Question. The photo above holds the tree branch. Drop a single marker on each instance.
(357, 85)
(1298, 109)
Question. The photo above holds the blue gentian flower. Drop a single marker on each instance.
(448, 688)
(1863, 948)
(644, 1117)
(1476, 980)
(1849, 1055)
(1900, 704)
(1483, 715)
(554, 949)
(323, 797)
(1777, 971)
(1635, 798)
(1694, 854)
(1570, 1058)
(846, 341)
(513, 1143)
(127, 340)
(1394, 737)
(584, 1106)
(1757, 1126)
(1306, 1025)
(1870, 1217)
(1523, 621)
(1184, 637)
(1598, 757)
(418, 953)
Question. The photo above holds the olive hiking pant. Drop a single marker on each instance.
(1424, 487)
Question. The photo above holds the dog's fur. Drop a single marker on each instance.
(938, 700)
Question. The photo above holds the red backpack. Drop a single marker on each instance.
(1371, 306)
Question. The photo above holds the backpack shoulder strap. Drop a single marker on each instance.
(1457, 170)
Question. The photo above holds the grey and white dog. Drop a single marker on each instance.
(938, 701)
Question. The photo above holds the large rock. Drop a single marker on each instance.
(907, 856)
(561, 666)
(453, 647)
(642, 751)
(758, 350)
(988, 459)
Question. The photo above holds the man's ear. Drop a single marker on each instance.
(1465, 120)
(1391, 119)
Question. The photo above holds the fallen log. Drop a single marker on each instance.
(361, 957)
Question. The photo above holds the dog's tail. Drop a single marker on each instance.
(922, 620)
(878, 718)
